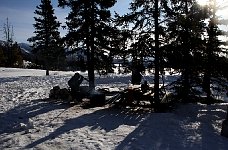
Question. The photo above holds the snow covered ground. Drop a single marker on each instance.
(29, 121)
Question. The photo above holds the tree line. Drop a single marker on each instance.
(10, 52)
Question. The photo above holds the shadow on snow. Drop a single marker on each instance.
(106, 119)
(21, 114)
(193, 129)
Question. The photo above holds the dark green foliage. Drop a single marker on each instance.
(16, 56)
(213, 54)
(10, 52)
(90, 28)
(46, 42)
(146, 20)
(185, 27)
(10, 55)
(182, 44)
(139, 22)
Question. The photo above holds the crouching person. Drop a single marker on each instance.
(74, 84)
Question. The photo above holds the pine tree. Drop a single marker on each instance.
(89, 28)
(186, 27)
(46, 42)
(213, 52)
(17, 56)
(122, 44)
(145, 18)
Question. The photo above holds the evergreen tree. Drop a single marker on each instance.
(214, 52)
(46, 42)
(89, 28)
(185, 27)
(145, 18)
(10, 52)
(17, 58)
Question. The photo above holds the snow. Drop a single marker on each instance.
(28, 120)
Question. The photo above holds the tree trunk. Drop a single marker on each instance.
(186, 83)
(186, 72)
(207, 84)
(91, 48)
(47, 68)
(47, 72)
(157, 57)
(207, 74)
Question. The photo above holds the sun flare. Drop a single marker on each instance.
(223, 4)
(205, 2)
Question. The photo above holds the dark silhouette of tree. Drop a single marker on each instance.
(8, 38)
(10, 52)
(15, 59)
(157, 54)
(90, 28)
(46, 42)
(16, 55)
(213, 51)
(185, 27)
(146, 22)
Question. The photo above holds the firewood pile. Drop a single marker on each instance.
(132, 96)
(136, 97)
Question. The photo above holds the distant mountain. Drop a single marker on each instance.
(25, 47)
(27, 54)
(26, 51)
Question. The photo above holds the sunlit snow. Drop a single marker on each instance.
(29, 121)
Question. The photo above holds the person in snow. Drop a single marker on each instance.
(74, 84)
(136, 77)
(145, 87)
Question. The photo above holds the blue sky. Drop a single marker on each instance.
(21, 12)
